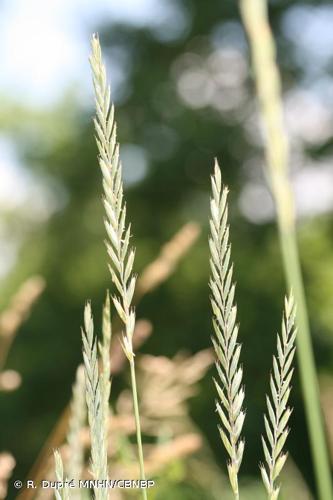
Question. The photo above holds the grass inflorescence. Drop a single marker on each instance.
(119, 233)
(230, 373)
(227, 348)
(91, 391)
(278, 412)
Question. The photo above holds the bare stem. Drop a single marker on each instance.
(255, 17)
(138, 425)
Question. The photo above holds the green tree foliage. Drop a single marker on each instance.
(178, 130)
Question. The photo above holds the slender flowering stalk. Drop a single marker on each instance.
(255, 17)
(278, 412)
(230, 392)
(121, 256)
(60, 493)
(95, 405)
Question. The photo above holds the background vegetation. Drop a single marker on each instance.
(184, 94)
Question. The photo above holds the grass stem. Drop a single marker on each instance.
(255, 17)
(137, 425)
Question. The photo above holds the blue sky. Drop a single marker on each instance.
(44, 48)
(44, 44)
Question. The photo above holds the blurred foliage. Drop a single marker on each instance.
(179, 138)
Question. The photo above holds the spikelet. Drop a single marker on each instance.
(278, 412)
(229, 387)
(104, 350)
(62, 492)
(95, 405)
(76, 424)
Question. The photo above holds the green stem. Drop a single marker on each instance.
(307, 367)
(255, 17)
(138, 426)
